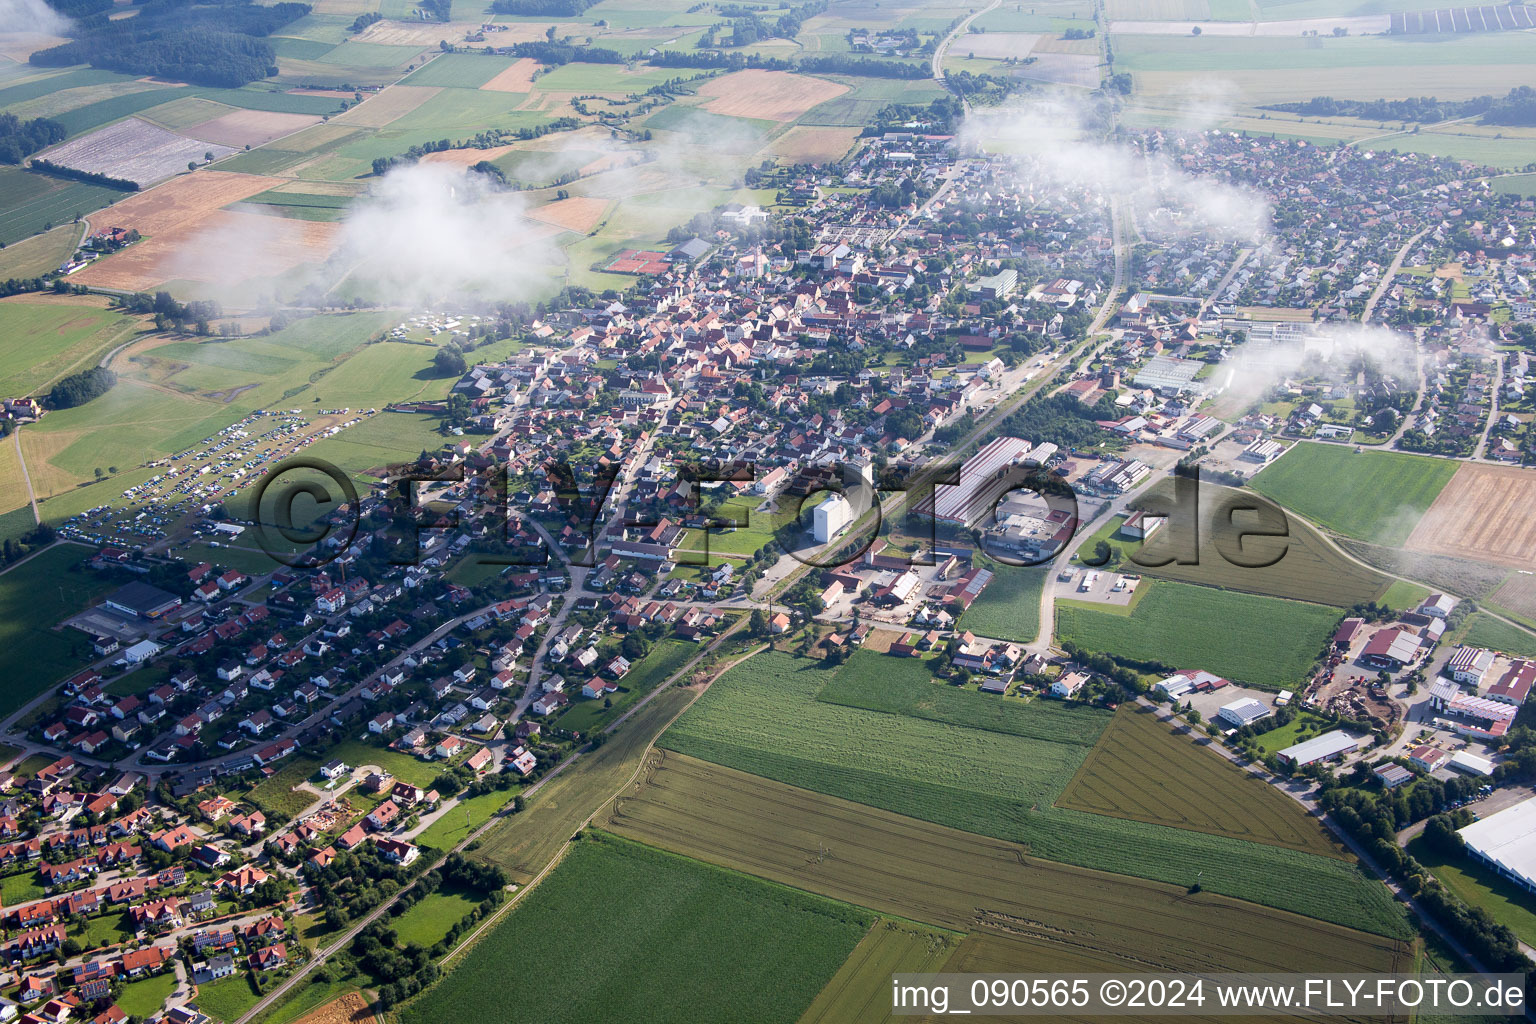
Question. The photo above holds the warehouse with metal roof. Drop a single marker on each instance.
(1506, 842)
(983, 480)
(1320, 748)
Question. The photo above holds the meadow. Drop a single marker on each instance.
(276, 794)
(954, 879)
(763, 717)
(429, 918)
(35, 596)
(456, 825)
(1143, 770)
(1375, 496)
(39, 254)
(1479, 886)
(1009, 609)
(1263, 641)
(146, 997)
(227, 999)
(44, 338)
(905, 686)
(1305, 566)
(742, 949)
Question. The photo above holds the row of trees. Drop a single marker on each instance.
(79, 388)
(1517, 107)
(20, 139)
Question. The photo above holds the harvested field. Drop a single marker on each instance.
(1062, 69)
(517, 78)
(352, 1008)
(468, 157)
(579, 213)
(135, 150)
(311, 139)
(186, 111)
(769, 95)
(1483, 513)
(185, 201)
(999, 45)
(389, 105)
(250, 127)
(1518, 594)
(958, 880)
(803, 144)
(416, 33)
(860, 990)
(1144, 771)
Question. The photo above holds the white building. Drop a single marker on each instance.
(1243, 712)
(1320, 748)
(141, 652)
(1506, 842)
(830, 518)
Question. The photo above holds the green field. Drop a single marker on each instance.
(1009, 609)
(866, 97)
(430, 918)
(1301, 566)
(31, 202)
(227, 999)
(1485, 631)
(459, 70)
(741, 949)
(1376, 496)
(1264, 641)
(147, 997)
(764, 717)
(456, 825)
(276, 794)
(39, 254)
(35, 596)
(405, 767)
(665, 658)
(1141, 770)
(42, 340)
(905, 686)
(1479, 886)
(23, 885)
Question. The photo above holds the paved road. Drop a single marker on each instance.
(1386, 278)
(937, 64)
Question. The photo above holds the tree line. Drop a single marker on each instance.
(79, 388)
(216, 45)
(20, 139)
(1517, 107)
(89, 177)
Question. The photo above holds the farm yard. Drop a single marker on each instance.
(1375, 496)
(1483, 513)
(741, 948)
(763, 717)
(927, 872)
(1263, 641)
(1145, 770)
(134, 150)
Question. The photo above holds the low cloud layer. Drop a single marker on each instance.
(31, 17)
(1055, 150)
(1333, 351)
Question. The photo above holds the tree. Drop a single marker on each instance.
(1195, 31)
(449, 361)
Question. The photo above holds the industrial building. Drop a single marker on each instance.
(830, 518)
(1243, 712)
(983, 479)
(1506, 842)
(1327, 747)
(142, 600)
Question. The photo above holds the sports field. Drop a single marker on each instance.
(764, 717)
(35, 596)
(742, 949)
(1265, 641)
(927, 872)
(1143, 770)
(1376, 496)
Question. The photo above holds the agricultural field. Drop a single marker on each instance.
(1305, 566)
(46, 337)
(767, 95)
(1375, 496)
(865, 98)
(742, 949)
(860, 991)
(1009, 609)
(808, 145)
(1485, 631)
(1263, 641)
(959, 880)
(763, 717)
(39, 254)
(35, 596)
(32, 202)
(525, 843)
(905, 686)
(1142, 769)
(1483, 514)
(134, 150)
